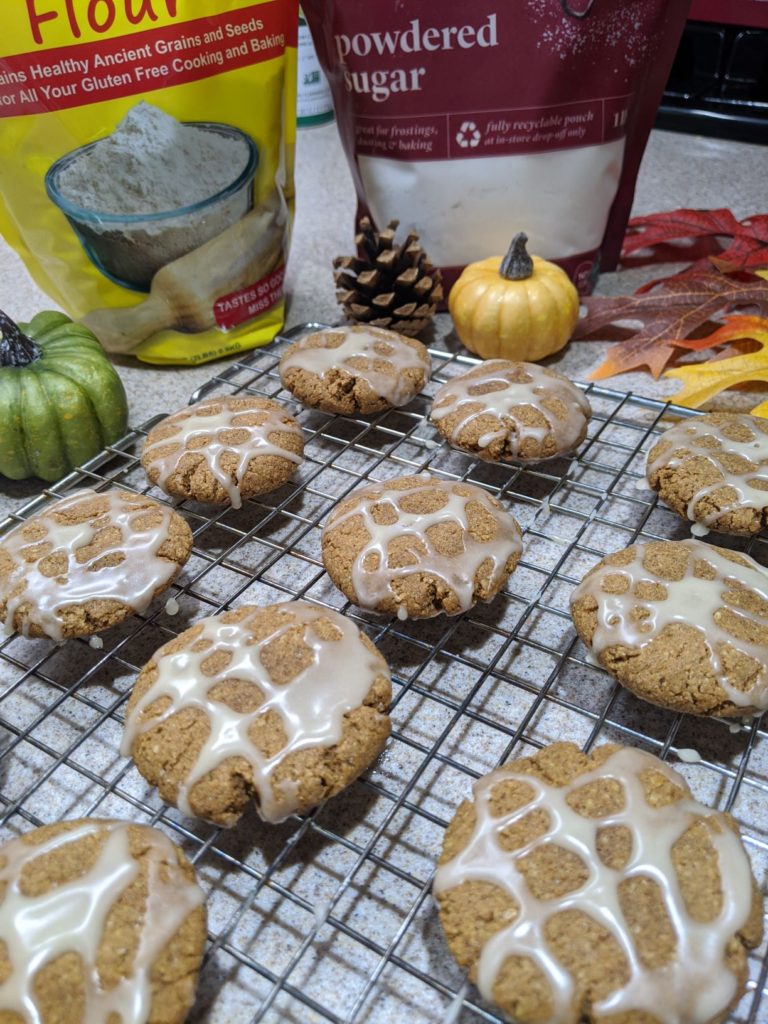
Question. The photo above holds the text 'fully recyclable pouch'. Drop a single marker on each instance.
(469, 122)
(146, 166)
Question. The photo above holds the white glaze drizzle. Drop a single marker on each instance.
(371, 344)
(311, 706)
(373, 585)
(133, 581)
(689, 755)
(696, 986)
(685, 441)
(202, 423)
(321, 911)
(692, 600)
(464, 393)
(70, 918)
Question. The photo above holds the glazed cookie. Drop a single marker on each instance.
(713, 471)
(223, 449)
(579, 887)
(416, 546)
(511, 412)
(100, 920)
(286, 704)
(682, 624)
(359, 369)
(87, 562)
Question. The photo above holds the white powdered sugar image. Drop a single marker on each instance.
(562, 197)
(152, 163)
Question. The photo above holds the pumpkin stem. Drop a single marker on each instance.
(517, 264)
(16, 349)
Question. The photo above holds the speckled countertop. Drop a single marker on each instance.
(677, 170)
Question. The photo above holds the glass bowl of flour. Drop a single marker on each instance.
(153, 190)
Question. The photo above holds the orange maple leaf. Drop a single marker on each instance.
(701, 381)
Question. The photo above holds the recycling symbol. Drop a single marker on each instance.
(468, 135)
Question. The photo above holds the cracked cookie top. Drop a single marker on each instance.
(100, 920)
(87, 562)
(223, 449)
(682, 624)
(594, 887)
(713, 471)
(284, 704)
(416, 546)
(359, 369)
(511, 412)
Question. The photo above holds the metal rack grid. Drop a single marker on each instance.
(329, 917)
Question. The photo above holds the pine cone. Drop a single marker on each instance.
(392, 286)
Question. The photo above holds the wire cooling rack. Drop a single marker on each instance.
(329, 917)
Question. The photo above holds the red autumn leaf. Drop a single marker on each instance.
(698, 235)
(653, 228)
(669, 314)
(747, 251)
(702, 266)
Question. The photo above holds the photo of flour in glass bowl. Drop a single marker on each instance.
(153, 190)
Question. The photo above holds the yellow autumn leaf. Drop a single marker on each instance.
(702, 381)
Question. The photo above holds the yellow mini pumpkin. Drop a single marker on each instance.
(515, 307)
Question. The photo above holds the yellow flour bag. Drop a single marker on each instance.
(146, 166)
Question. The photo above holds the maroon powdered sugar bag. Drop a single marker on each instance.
(470, 121)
